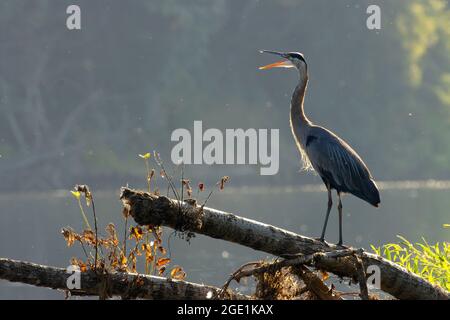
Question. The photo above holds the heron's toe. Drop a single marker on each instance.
(339, 244)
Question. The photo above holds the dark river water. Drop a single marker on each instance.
(30, 226)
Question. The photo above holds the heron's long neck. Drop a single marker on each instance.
(299, 121)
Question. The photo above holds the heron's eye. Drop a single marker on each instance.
(297, 56)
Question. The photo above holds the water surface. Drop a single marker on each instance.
(30, 225)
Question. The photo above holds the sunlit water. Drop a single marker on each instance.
(30, 225)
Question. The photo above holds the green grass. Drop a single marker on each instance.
(431, 262)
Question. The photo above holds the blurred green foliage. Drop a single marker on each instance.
(431, 262)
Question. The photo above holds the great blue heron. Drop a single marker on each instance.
(339, 166)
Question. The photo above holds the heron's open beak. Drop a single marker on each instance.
(279, 64)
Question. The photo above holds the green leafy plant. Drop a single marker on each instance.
(431, 262)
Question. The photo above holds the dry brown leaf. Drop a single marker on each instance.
(89, 236)
(132, 257)
(177, 273)
(111, 229)
(325, 275)
(83, 267)
(77, 262)
(69, 236)
(223, 181)
(148, 252)
(136, 232)
(123, 260)
(162, 261)
(162, 250)
(161, 271)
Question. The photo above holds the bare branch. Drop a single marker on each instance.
(316, 285)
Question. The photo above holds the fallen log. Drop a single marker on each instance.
(125, 285)
(188, 216)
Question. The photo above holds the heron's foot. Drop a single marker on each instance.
(339, 244)
(321, 239)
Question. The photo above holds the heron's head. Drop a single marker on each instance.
(291, 60)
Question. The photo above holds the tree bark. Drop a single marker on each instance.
(188, 216)
(126, 285)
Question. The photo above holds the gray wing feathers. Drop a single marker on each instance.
(334, 156)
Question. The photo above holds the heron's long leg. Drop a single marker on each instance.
(340, 218)
(330, 204)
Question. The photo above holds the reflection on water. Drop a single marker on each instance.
(382, 185)
(30, 225)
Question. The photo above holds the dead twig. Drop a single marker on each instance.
(315, 284)
(237, 275)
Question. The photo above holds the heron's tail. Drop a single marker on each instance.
(372, 195)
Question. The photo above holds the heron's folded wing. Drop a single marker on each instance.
(331, 156)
